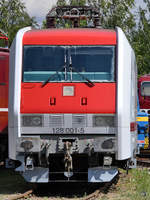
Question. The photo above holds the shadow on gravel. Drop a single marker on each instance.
(11, 182)
(73, 190)
(66, 190)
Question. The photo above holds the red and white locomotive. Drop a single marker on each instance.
(72, 104)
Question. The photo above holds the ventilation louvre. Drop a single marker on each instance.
(78, 121)
(56, 120)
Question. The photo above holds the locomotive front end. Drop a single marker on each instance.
(66, 109)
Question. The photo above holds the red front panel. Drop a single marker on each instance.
(49, 99)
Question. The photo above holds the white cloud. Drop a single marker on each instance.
(39, 8)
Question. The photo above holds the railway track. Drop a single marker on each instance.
(100, 191)
(144, 152)
(21, 196)
(144, 158)
(144, 162)
(94, 191)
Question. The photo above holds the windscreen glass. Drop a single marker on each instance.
(145, 89)
(68, 63)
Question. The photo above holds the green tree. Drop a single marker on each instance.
(77, 2)
(141, 39)
(112, 13)
(61, 3)
(13, 16)
(116, 13)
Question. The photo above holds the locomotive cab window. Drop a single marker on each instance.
(68, 63)
(145, 89)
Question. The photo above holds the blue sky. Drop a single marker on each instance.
(39, 8)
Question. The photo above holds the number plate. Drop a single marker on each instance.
(68, 130)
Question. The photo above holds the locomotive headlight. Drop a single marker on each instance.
(29, 120)
(108, 144)
(103, 121)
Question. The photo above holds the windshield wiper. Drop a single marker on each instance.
(59, 70)
(71, 69)
(89, 83)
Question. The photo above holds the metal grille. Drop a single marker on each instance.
(103, 121)
(78, 121)
(56, 120)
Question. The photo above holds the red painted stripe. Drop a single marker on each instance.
(141, 142)
(70, 37)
